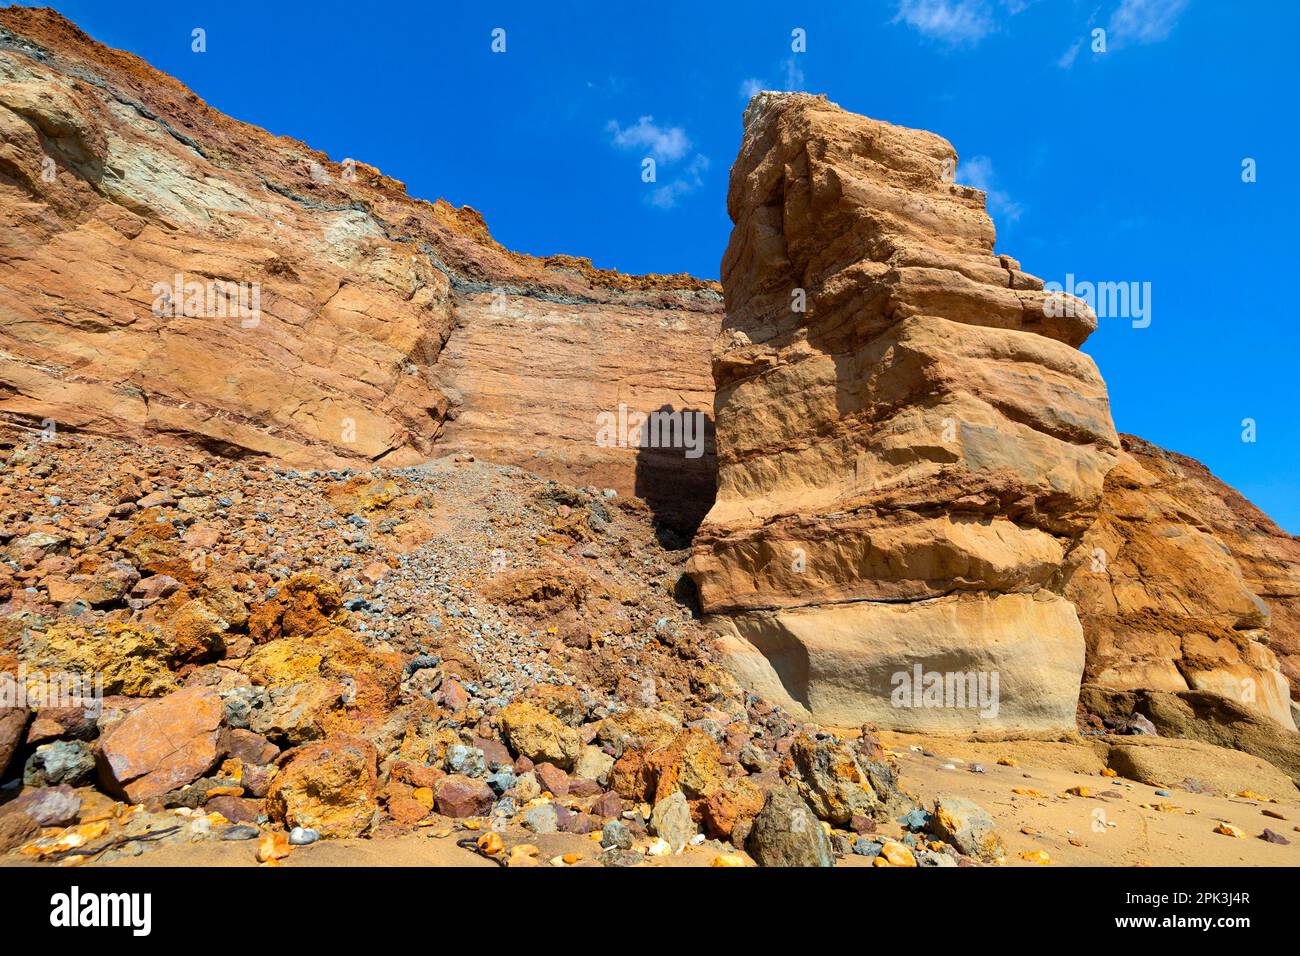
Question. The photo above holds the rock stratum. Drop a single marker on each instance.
(908, 466)
(170, 274)
(909, 447)
(918, 473)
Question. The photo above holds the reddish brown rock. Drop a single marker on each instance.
(632, 778)
(305, 605)
(16, 828)
(552, 778)
(235, 809)
(13, 724)
(162, 745)
(732, 805)
(417, 775)
(608, 805)
(250, 748)
(53, 723)
(459, 796)
(692, 763)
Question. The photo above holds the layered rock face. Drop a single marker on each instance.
(167, 273)
(532, 375)
(910, 442)
(1184, 586)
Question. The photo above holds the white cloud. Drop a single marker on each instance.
(1069, 56)
(793, 75)
(664, 143)
(956, 22)
(793, 83)
(1144, 21)
(692, 178)
(978, 172)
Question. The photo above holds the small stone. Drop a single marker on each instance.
(896, 854)
(1227, 829)
(240, 831)
(616, 835)
(542, 819)
(490, 844)
(64, 761)
(671, 820)
(272, 847)
(303, 836)
(1268, 836)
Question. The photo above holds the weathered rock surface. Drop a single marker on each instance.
(1183, 585)
(967, 826)
(329, 786)
(150, 239)
(162, 745)
(1190, 763)
(1202, 716)
(909, 440)
(786, 833)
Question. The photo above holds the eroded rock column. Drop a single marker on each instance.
(909, 440)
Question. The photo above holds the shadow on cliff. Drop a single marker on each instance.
(676, 472)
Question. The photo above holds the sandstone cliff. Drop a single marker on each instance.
(168, 273)
(918, 474)
(916, 463)
(1183, 585)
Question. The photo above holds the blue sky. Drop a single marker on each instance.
(1115, 166)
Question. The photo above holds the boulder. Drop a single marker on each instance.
(787, 833)
(162, 745)
(730, 810)
(967, 826)
(534, 733)
(830, 779)
(692, 763)
(329, 786)
(671, 820)
(460, 796)
(130, 659)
